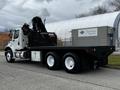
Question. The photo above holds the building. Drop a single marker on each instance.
(4, 39)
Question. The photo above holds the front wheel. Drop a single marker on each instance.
(9, 56)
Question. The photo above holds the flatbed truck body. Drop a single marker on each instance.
(89, 57)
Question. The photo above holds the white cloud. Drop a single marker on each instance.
(2, 3)
(14, 12)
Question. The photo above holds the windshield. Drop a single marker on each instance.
(14, 33)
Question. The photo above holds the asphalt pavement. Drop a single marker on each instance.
(24, 75)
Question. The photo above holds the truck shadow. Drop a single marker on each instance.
(31, 64)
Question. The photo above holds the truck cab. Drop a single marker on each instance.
(18, 41)
(25, 37)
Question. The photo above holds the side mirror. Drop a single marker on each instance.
(10, 34)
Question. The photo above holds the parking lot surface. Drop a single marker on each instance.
(23, 75)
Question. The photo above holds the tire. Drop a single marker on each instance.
(71, 63)
(9, 56)
(52, 61)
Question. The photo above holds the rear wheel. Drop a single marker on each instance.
(71, 63)
(52, 61)
(9, 56)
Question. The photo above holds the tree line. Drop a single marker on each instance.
(114, 4)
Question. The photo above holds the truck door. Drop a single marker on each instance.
(14, 41)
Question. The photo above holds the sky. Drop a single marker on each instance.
(17, 12)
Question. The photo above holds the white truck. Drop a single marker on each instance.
(38, 45)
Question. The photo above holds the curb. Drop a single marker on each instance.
(113, 67)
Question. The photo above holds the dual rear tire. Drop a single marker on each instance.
(52, 61)
(71, 62)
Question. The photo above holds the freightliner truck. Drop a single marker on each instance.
(36, 44)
